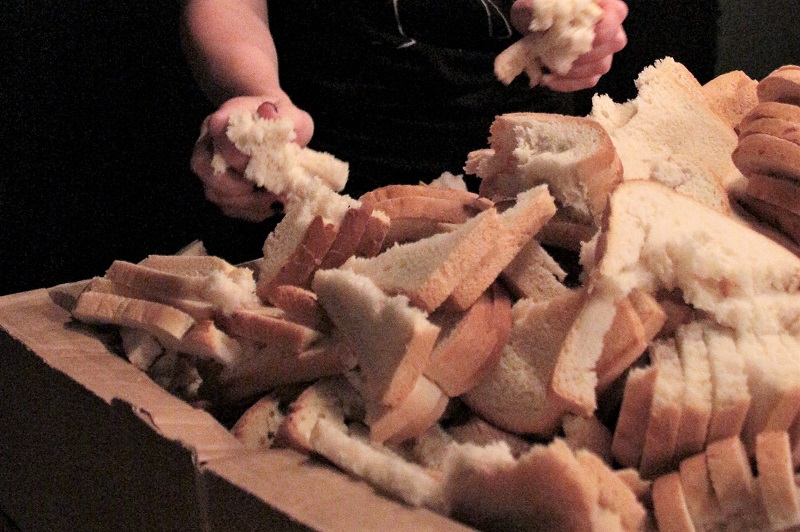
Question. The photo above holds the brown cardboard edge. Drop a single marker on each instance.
(100, 412)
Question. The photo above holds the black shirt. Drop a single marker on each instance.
(400, 89)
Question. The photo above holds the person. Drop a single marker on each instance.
(402, 90)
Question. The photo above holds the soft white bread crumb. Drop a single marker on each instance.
(560, 33)
(277, 163)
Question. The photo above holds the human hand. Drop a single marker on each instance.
(586, 71)
(236, 196)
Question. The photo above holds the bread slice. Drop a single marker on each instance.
(638, 319)
(544, 489)
(427, 271)
(375, 231)
(782, 220)
(387, 472)
(651, 242)
(671, 117)
(266, 327)
(466, 348)
(615, 495)
(164, 322)
(732, 94)
(514, 395)
(533, 274)
(782, 193)
(348, 237)
(701, 500)
(587, 433)
(669, 504)
(780, 85)
(301, 306)
(734, 484)
(413, 416)
(477, 431)
(777, 127)
(666, 409)
(773, 377)
(258, 427)
(331, 398)
(692, 178)
(533, 208)
(761, 153)
(776, 480)
(392, 340)
(629, 433)
(777, 110)
(698, 390)
(730, 394)
(572, 155)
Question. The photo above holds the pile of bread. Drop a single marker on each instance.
(424, 338)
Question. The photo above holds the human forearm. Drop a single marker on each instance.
(230, 48)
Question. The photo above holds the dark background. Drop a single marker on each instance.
(100, 114)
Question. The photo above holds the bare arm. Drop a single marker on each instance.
(230, 48)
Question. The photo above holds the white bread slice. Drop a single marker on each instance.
(693, 178)
(587, 433)
(669, 504)
(629, 433)
(732, 478)
(140, 347)
(782, 221)
(698, 390)
(533, 274)
(666, 409)
(703, 504)
(192, 265)
(572, 155)
(741, 279)
(300, 241)
(639, 317)
(301, 306)
(776, 127)
(226, 289)
(387, 472)
(532, 210)
(560, 32)
(262, 368)
(413, 416)
(206, 341)
(258, 427)
(392, 340)
(332, 398)
(732, 94)
(514, 395)
(199, 310)
(776, 480)
(761, 153)
(544, 489)
(466, 348)
(615, 495)
(164, 322)
(783, 193)
(375, 231)
(477, 431)
(773, 377)
(670, 117)
(277, 163)
(781, 85)
(730, 394)
(348, 236)
(427, 271)
(782, 111)
(266, 327)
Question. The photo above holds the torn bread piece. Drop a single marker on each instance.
(587, 433)
(387, 472)
(776, 481)
(258, 427)
(519, 224)
(666, 409)
(514, 395)
(560, 32)
(414, 415)
(277, 163)
(534, 274)
(574, 156)
(670, 117)
(392, 340)
(427, 271)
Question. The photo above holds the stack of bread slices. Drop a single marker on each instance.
(425, 338)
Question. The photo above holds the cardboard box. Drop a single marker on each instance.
(89, 442)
